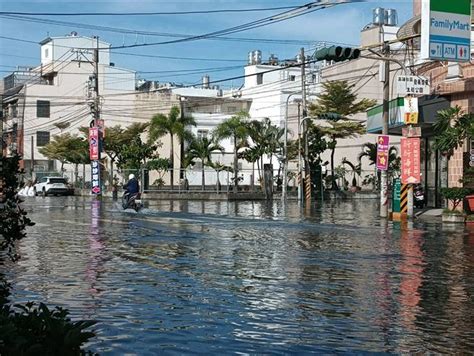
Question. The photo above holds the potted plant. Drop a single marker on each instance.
(455, 196)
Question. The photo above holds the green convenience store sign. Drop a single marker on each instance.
(446, 30)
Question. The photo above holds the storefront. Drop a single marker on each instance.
(434, 174)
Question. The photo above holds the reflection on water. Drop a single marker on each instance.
(250, 277)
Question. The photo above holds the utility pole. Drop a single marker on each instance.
(95, 133)
(305, 129)
(385, 117)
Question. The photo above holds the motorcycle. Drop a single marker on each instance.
(131, 201)
(418, 196)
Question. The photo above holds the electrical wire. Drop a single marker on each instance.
(146, 13)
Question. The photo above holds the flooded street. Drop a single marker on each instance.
(250, 277)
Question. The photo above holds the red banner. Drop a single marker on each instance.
(410, 160)
(94, 143)
(382, 153)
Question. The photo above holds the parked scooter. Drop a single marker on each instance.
(419, 196)
(131, 201)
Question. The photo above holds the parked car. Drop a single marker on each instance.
(52, 185)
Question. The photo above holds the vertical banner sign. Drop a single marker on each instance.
(397, 187)
(95, 177)
(410, 160)
(446, 30)
(382, 152)
(94, 143)
(411, 110)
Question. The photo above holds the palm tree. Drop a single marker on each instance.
(202, 148)
(339, 98)
(172, 124)
(219, 167)
(369, 150)
(235, 128)
(340, 130)
(252, 155)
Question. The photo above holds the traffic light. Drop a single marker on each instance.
(336, 53)
(330, 116)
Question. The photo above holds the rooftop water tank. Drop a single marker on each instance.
(378, 17)
(391, 17)
(257, 57)
(205, 82)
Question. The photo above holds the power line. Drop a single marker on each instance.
(145, 13)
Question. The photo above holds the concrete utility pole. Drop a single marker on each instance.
(385, 119)
(285, 151)
(305, 128)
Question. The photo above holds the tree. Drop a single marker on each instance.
(219, 167)
(369, 150)
(161, 165)
(65, 148)
(339, 98)
(252, 155)
(173, 125)
(202, 149)
(134, 155)
(237, 129)
(452, 128)
(116, 140)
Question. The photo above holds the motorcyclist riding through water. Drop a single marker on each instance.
(131, 195)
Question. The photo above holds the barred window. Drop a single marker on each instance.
(202, 133)
(42, 108)
(42, 138)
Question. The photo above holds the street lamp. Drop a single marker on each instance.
(285, 149)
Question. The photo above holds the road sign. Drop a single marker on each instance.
(412, 85)
(410, 160)
(382, 152)
(411, 110)
(446, 30)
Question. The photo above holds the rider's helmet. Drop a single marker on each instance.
(131, 176)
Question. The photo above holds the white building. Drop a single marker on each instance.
(60, 91)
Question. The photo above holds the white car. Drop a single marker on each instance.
(52, 185)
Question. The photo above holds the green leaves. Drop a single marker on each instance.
(451, 129)
(339, 98)
(13, 219)
(67, 148)
(32, 329)
(455, 195)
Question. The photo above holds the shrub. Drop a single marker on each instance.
(455, 195)
(36, 330)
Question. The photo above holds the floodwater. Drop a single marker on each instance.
(188, 277)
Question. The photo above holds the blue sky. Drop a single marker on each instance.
(220, 58)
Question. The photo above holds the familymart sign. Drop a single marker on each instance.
(446, 30)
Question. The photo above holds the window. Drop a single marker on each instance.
(292, 78)
(232, 109)
(46, 53)
(202, 133)
(42, 138)
(42, 108)
(259, 78)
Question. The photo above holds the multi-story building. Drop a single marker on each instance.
(55, 96)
